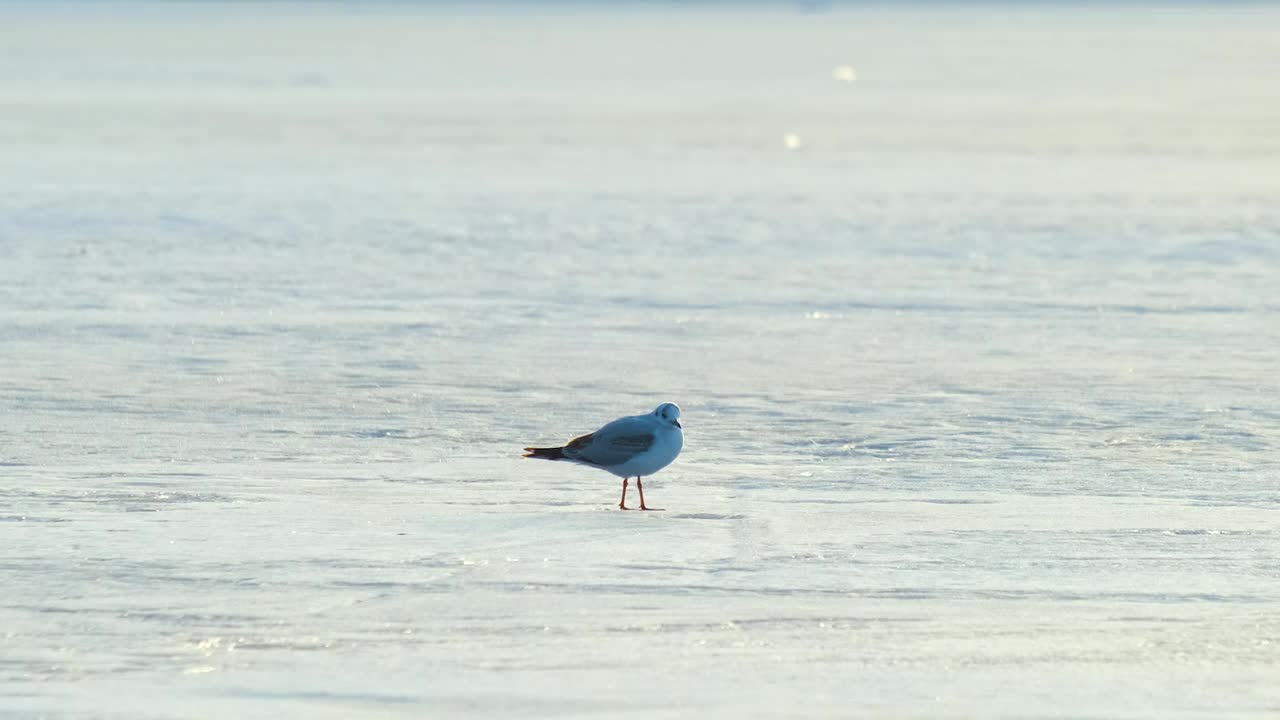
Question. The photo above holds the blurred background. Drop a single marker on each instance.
(970, 308)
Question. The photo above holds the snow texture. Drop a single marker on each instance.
(976, 343)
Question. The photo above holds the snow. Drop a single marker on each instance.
(978, 381)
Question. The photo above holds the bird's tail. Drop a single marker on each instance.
(545, 453)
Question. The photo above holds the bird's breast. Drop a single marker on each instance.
(675, 441)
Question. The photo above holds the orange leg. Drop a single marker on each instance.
(623, 505)
(641, 489)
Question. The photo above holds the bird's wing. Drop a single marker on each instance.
(613, 444)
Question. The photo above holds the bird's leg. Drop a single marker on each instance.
(623, 505)
(641, 489)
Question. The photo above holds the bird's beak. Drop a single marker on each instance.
(677, 422)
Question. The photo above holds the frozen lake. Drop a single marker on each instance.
(972, 313)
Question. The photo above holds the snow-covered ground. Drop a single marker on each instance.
(977, 354)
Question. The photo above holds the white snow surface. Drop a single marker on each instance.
(979, 374)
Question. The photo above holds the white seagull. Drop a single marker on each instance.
(631, 446)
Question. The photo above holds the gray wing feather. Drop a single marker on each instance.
(613, 444)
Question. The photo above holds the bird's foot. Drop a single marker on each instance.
(622, 506)
(642, 507)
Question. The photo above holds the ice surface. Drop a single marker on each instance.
(979, 379)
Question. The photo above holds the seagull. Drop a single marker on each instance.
(631, 446)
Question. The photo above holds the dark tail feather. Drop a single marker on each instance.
(545, 453)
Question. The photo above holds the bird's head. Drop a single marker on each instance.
(669, 413)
